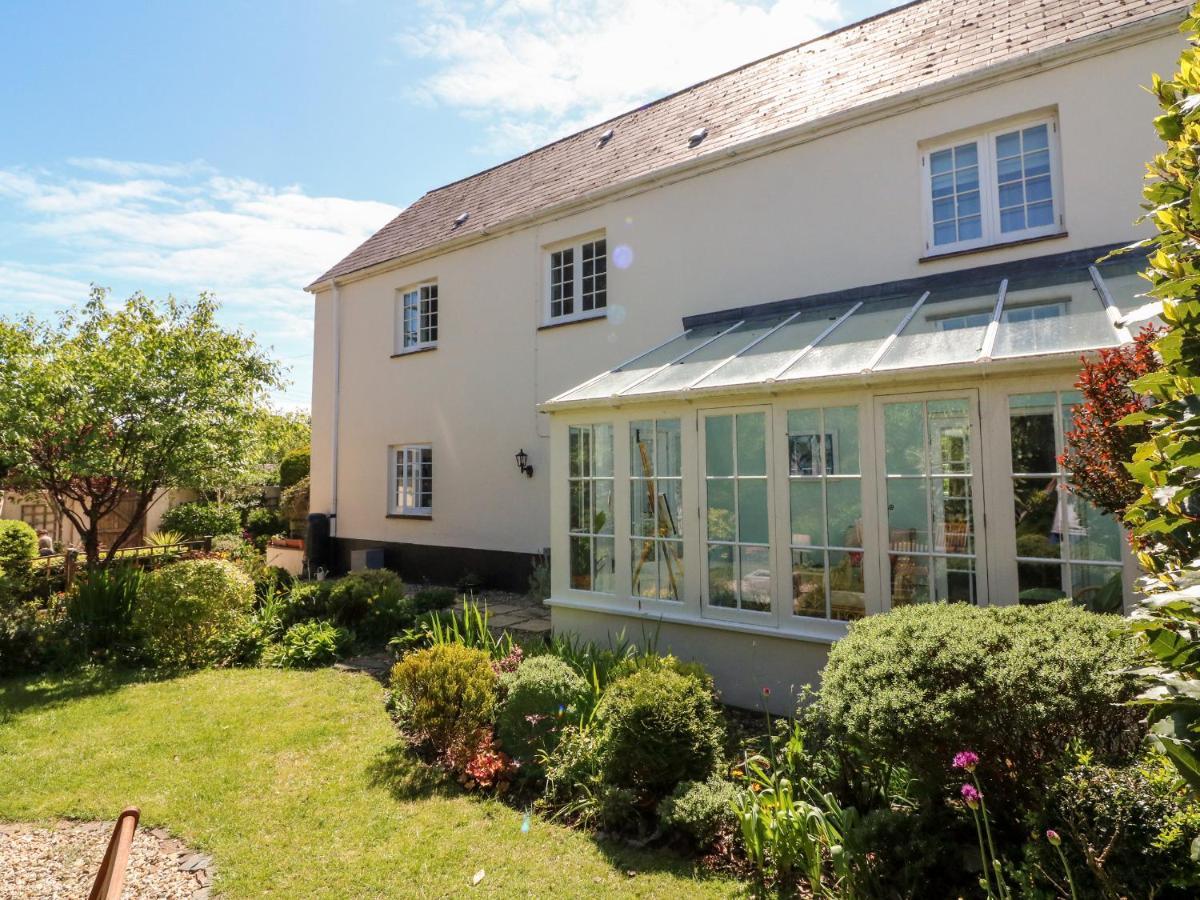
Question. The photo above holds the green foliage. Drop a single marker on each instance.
(1126, 832)
(542, 695)
(656, 729)
(917, 685)
(702, 810)
(183, 608)
(18, 545)
(470, 628)
(264, 523)
(307, 645)
(275, 435)
(293, 502)
(294, 466)
(539, 578)
(34, 635)
(597, 664)
(164, 538)
(433, 599)
(198, 519)
(100, 607)
(900, 851)
(1165, 519)
(373, 603)
(116, 400)
(444, 694)
(652, 662)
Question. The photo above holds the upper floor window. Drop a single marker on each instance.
(1036, 313)
(417, 317)
(411, 480)
(999, 185)
(578, 280)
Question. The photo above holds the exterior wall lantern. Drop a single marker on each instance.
(523, 463)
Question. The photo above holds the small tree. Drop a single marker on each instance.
(1097, 447)
(1165, 518)
(116, 402)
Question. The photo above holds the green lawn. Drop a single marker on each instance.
(295, 782)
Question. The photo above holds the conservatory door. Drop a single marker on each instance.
(932, 526)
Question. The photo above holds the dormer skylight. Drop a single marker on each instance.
(697, 136)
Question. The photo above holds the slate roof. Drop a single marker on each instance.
(902, 50)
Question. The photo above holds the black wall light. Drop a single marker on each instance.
(523, 463)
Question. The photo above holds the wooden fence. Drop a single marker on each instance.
(58, 571)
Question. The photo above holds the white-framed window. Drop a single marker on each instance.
(825, 502)
(655, 509)
(577, 280)
(591, 541)
(411, 480)
(417, 317)
(737, 512)
(1001, 184)
(1065, 546)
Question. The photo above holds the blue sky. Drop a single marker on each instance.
(243, 147)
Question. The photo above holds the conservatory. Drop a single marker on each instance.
(750, 486)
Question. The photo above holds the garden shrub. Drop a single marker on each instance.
(702, 810)
(444, 695)
(294, 466)
(101, 605)
(576, 788)
(433, 599)
(541, 696)
(198, 519)
(307, 645)
(641, 662)
(263, 523)
(1126, 832)
(18, 547)
(306, 600)
(183, 607)
(33, 634)
(656, 729)
(372, 602)
(1015, 684)
(899, 852)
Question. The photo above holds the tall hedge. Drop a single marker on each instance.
(294, 466)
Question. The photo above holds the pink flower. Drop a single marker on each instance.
(1053, 837)
(966, 759)
(971, 795)
(766, 692)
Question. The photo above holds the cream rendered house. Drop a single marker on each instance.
(789, 347)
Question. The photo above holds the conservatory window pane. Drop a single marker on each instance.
(910, 579)
(756, 578)
(908, 514)
(844, 503)
(602, 464)
(949, 436)
(804, 442)
(602, 515)
(950, 502)
(581, 563)
(1095, 535)
(808, 583)
(906, 422)
(954, 579)
(670, 502)
(847, 593)
(669, 447)
(808, 526)
(604, 565)
(752, 510)
(718, 446)
(1035, 507)
(641, 449)
(720, 576)
(644, 565)
(721, 510)
(1039, 583)
(751, 444)
(1097, 587)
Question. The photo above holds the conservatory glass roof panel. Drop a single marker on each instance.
(696, 365)
(771, 355)
(1057, 318)
(945, 330)
(851, 346)
(630, 373)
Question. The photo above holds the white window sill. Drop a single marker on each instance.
(815, 631)
(419, 348)
(983, 247)
(601, 313)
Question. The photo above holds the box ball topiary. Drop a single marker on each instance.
(1015, 684)
(540, 697)
(657, 728)
(294, 466)
(184, 607)
(18, 545)
(444, 694)
(702, 810)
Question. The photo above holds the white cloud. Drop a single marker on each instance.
(533, 69)
(177, 229)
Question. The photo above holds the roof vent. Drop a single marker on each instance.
(605, 138)
(461, 220)
(697, 136)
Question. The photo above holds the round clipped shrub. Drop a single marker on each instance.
(307, 645)
(444, 694)
(539, 698)
(1015, 684)
(197, 519)
(656, 729)
(294, 466)
(184, 607)
(18, 545)
(372, 602)
(702, 810)
(263, 523)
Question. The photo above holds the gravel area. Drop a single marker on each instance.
(60, 862)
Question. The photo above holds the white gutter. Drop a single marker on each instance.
(337, 404)
(1161, 25)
